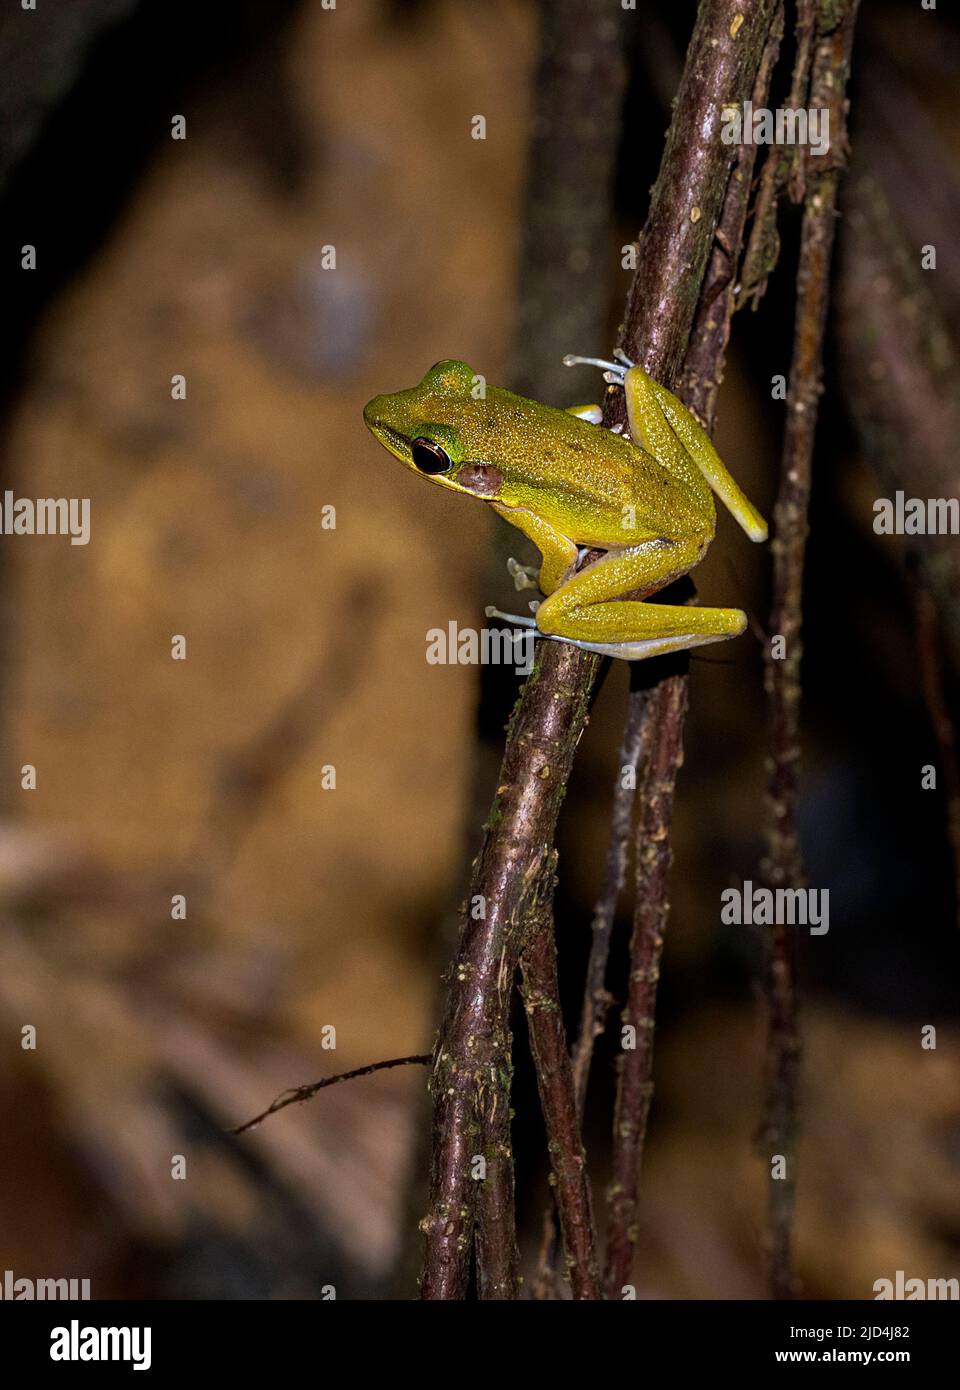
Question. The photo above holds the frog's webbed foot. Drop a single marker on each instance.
(613, 372)
(523, 576)
(517, 621)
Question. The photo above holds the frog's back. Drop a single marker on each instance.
(594, 486)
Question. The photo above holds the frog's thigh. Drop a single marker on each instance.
(649, 425)
(558, 553)
(649, 407)
(582, 611)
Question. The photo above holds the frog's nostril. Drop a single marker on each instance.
(371, 411)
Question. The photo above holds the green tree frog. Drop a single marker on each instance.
(569, 485)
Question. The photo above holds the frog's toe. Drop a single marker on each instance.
(492, 612)
(613, 372)
(523, 576)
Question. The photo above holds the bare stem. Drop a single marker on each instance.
(781, 169)
(783, 866)
(635, 1064)
(672, 254)
(548, 1041)
(596, 997)
(298, 1094)
(663, 733)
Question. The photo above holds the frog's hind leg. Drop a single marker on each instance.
(649, 407)
(588, 612)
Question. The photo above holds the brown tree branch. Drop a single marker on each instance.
(782, 169)
(548, 1042)
(783, 866)
(635, 1064)
(701, 377)
(596, 997)
(673, 249)
(541, 741)
(703, 367)
(567, 218)
(663, 735)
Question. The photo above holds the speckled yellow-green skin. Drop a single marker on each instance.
(567, 483)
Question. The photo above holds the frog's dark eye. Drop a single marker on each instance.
(430, 457)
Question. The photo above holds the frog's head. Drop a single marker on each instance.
(437, 430)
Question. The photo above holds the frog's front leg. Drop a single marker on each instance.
(588, 612)
(523, 576)
(558, 553)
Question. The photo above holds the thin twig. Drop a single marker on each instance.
(548, 1043)
(635, 1064)
(782, 169)
(596, 997)
(703, 368)
(783, 866)
(498, 1256)
(298, 1094)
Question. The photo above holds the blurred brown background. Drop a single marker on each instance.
(311, 907)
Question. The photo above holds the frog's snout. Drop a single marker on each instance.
(373, 412)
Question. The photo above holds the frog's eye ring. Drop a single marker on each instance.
(430, 457)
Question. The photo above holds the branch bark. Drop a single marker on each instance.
(672, 254)
(783, 866)
(663, 732)
(548, 1041)
(635, 1065)
(782, 169)
(596, 997)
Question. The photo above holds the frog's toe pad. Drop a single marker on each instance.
(613, 372)
(523, 576)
